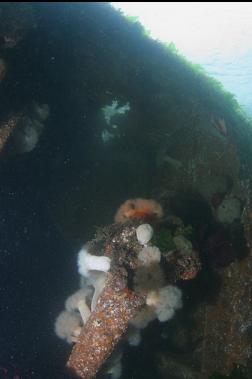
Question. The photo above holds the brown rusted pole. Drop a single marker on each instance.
(7, 128)
(104, 328)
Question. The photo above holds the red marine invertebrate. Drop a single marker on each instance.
(142, 209)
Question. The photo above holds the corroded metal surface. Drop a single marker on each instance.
(15, 20)
(247, 215)
(7, 128)
(204, 155)
(225, 326)
(117, 303)
(104, 328)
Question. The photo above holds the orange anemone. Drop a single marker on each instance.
(145, 209)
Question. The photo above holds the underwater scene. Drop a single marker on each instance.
(126, 203)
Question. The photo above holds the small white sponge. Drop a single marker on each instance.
(149, 255)
(68, 326)
(87, 262)
(144, 233)
(165, 301)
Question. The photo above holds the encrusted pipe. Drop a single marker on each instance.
(104, 328)
(7, 128)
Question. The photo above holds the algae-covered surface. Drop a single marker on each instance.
(93, 112)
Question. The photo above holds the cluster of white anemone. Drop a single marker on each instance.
(79, 305)
(161, 300)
